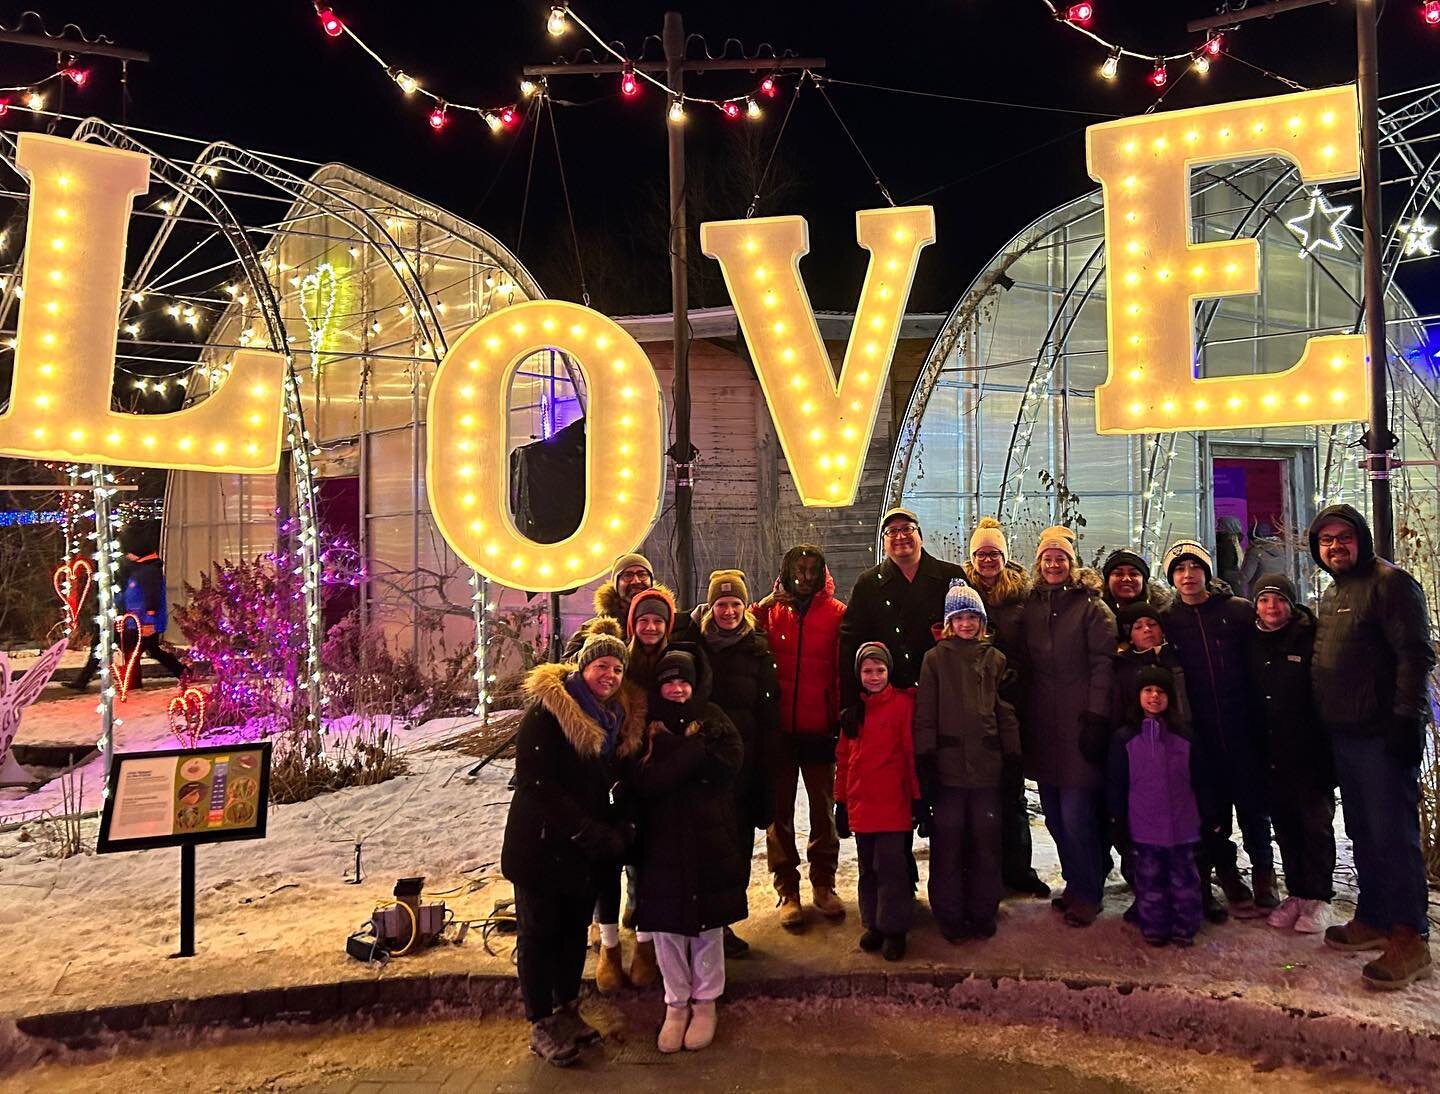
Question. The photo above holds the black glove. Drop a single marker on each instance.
(851, 719)
(600, 842)
(1094, 736)
(842, 821)
(1405, 742)
(923, 817)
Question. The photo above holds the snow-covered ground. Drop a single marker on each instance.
(97, 929)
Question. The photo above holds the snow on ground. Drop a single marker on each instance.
(97, 929)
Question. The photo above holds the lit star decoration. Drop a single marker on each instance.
(1155, 271)
(1419, 238)
(1319, 226)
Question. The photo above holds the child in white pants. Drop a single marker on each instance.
(692, 871)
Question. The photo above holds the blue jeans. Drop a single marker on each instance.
(1075, 820)
(1381, 800)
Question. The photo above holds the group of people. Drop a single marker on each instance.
(1151, 716)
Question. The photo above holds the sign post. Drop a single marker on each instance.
(184, 797)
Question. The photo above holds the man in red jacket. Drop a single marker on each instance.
(801, 617)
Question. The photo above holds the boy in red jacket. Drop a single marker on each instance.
(875, 792)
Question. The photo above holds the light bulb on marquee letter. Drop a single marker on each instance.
(467, 476)
(824, 426)
(80, 197)
(1154, 273)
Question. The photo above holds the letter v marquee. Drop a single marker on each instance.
(80, 198)
(824, 426)
(1154, 273)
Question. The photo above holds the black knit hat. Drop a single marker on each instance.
(1153, 676)
(1127, 616)
(1125, 557)
(676, 663)
(1278, 584)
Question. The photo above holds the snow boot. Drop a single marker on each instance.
(1215, 912)
(982, 931)
(1238, 897)
(701, 1030)
(871, 940)
(826, 902)
(1029, 885)
(1405, 960)
(672, 1030)
(1314, 916)
(1355, 936)
(893, 948)
(735, 946)
(627, 920)
(1283, 918)
(792, 916)
(550, 1040)
(1267, 894)
(644, 968)
(610, 971)
(1081, 914)
(573, 1023)
(1061, 902)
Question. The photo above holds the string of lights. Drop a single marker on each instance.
(499, 117)
(1079, 17)
(735, 106)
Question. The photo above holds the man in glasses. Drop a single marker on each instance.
(899, 602)
(1371, 668)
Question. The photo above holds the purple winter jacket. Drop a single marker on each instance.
(1150, 796)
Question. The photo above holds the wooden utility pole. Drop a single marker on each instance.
(682, 454)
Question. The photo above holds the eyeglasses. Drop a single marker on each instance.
(900, 530)
(635, 575)
(1344, 538)
(987, 556)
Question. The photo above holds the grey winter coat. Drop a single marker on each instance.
(1070, 643)
(1265, 555)
(960, 719)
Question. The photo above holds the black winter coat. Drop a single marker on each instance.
(1373, 652)
(746, 689)
(563, 785)
(1294, 743)
(1213, 641)
(884, 607)
(692, 871)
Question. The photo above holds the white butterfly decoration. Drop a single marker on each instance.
(15, 696)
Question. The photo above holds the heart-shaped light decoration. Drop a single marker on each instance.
(125, 665)
(318, 291)
(72, 584)
(187, 716)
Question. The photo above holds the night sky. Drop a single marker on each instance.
(262, 74)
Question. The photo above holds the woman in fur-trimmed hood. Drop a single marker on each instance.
(567, 828)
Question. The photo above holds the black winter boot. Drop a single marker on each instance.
(893, 948)
(1214, 911)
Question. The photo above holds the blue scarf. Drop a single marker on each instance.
(607, 716)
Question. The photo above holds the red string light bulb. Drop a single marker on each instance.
(330, 23)
(629, 85)
(1431, 13)
(1159, 78)
(508, 118)
(1213, 45)
(731, 109)
(438, 118)
(1080, 14)
(76, 76)
(768, 88)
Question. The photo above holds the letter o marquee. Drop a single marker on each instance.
(468, 462)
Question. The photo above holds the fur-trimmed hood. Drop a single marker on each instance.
(546, 686)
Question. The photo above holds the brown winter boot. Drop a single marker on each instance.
(610, 971)
(1267, 894)
(826, 902)
(1238, 896)
(1405, 960)
(1355, 936)
(644, 969)
(792, 916)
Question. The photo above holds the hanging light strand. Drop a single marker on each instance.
(1078, 18)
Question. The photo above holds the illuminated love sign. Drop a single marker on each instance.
(1154, 273)
(80, 200)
